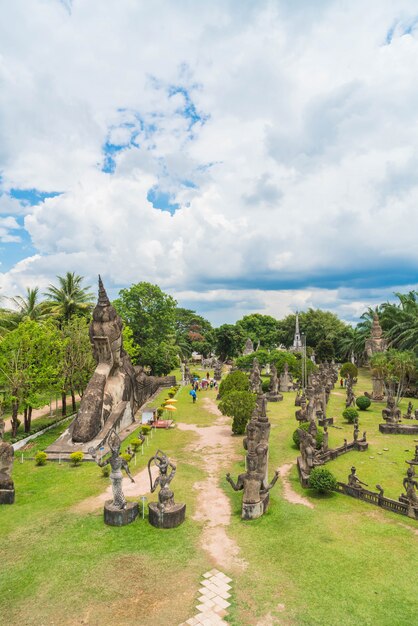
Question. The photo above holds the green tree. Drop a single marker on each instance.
(395, 367)
(324, 350)
(348, 370)
(77, 363)
(29, 306)
(69, 298)
(193, 333)
(239, 405)
(262, 329)
(229, 341)
(30, 359)
(235, 381)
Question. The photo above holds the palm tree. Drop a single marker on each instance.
(401, 321)
(69, 298)
(29, 306)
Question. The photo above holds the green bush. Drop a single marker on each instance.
(239, 405)
(126, 457)
(305, 426)
(160, 411)
(136, 444)
(145, 429)
(363, 403)
(265, 385)
(76, 458)
(106, 471)
(322, 480)
(235, 381)
(348, 369)
(41, 458)
(350, 415)
(171, 394)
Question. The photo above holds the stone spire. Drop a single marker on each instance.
(297, 341)
(103, 299)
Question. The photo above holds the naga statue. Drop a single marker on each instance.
(165, 513)
(7, 490)
(117, 512)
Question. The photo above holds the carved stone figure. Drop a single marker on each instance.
(218, 371)
(255, 497)
(273, 394)
(354, 481)
(248, 348)
(378, 390)
(376, 342)
(166, 513)
(255, 378)
(302, 413)
(285, 379)
(324, 446)
(391, 414)
(408, 415)
(411, 486)
(7, 490)
(113, 508)
(351, 398)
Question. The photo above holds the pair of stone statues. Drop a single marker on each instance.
(118, 512)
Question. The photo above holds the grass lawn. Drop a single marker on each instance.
(343, 562)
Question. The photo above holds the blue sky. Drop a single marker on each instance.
(221, 151)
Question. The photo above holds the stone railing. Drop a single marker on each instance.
(372, 497)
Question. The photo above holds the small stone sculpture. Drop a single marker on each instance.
(273, 394)
(391, 414)
(165, 513)
(7, 490)
(255, 378)
(408, 415)
(218, 371)
(285, 379)
(302, 413)
(255, 497)
(411, 486)
(351, 398)
(117, 512)
(354, 481)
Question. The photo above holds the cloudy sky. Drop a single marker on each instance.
(244, 155)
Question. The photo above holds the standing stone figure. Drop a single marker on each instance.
(117, 512)
(273, 394)
(165, 513)
(408, 415)
(218, 371)
(351, 398)
(251, 482)
(285, 379)
(7, 490)
(411, 486)
(255, 378)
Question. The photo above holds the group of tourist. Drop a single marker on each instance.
(202, 385)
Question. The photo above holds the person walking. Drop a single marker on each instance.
(194, 395)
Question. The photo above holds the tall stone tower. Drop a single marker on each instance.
(297, 341)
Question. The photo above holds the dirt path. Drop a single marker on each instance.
(288, 493)
(131, 490)
(213, 506)
(42, 412)
(211, 407)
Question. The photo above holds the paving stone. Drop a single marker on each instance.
(192, 621)
(214, 572)
(223, 594)
(207, 575)
(207, 592)
(221, 602)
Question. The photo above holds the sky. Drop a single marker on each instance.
(251, 156)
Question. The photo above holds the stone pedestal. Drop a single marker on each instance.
(7, 496)
(171, 518)
(361, 446)
(253, 511)
(398, 429)
(325, 421)
(120, 517)
(274, 397)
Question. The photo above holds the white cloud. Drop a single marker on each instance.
(300, 173)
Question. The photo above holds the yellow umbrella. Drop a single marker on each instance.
(171, 401)
(170, 408)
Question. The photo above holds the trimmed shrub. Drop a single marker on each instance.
(348, 369)
(322, 480)
(236, 381)
(363, 403)
(126, 457)
(41, 458)
(76, 458)
(160, 411)
(136, 444)
(305, 426)
(106, 471)
(350, 415)
(239, 405)
(145, 429)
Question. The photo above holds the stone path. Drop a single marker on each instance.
(213, 600)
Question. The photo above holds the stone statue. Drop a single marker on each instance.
(391, 414)
(408, 415)
(351, 398)
(356, 431)
(376, 342)
(255, 497)
(285, 379)
(354, 481)
(248, 348)
(302, 413)
(117, 464)
(7, 490)
(255, 378)
(411, 486)
(324, 446)
(218, 371)
(273, 394)
(166, 513)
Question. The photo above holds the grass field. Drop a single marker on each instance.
(342, 562)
